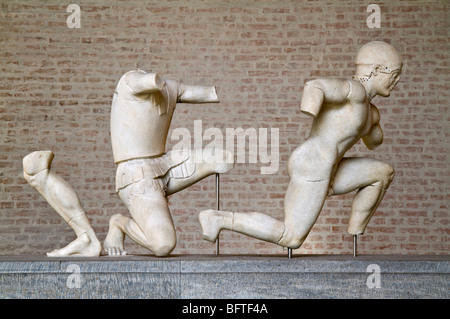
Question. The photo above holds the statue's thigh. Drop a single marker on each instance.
(357, 172)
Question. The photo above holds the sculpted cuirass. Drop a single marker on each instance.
(140, 122)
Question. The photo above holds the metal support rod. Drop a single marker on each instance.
(218, 207)
(289, 253)
(354, 244)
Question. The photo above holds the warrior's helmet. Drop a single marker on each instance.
(377, 53)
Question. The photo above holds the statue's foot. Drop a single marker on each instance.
(211, 223)
(113, 244)
(86, 245)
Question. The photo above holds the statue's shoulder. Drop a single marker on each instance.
(326, 82)
(357, 92)
(124, 81)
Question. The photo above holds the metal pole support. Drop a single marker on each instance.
(218, 207)
(355, 237)
(289, 253)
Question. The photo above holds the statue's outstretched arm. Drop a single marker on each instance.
(197, 94)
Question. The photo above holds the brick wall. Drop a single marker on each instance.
(56, 85)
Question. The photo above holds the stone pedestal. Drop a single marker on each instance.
(226, 277)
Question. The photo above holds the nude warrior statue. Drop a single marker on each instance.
(141, 114)
(61, 196)
(342, 114)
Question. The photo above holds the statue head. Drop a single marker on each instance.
(379, 63)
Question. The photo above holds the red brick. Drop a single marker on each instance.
(56, 87)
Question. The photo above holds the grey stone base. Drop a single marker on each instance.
(226, 277)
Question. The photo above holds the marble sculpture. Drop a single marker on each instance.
(62, 197)
(142, 110)
(141, 114)
(342, 114)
